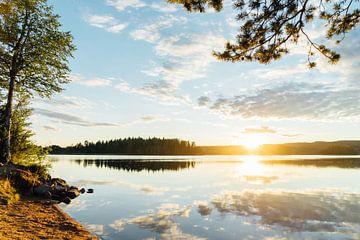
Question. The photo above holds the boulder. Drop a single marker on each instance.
(58, 189)
(43, 190)
(66, 200)
(58, 182)
(82, 190)
(90, 190)
(73, 193)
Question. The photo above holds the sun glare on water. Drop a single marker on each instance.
(251, 165)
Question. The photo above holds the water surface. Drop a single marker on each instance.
(215, 197)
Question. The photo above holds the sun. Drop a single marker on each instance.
(253, 142)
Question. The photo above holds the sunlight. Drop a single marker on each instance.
(253, 142)
(251, 165)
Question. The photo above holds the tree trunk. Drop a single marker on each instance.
(7, 125)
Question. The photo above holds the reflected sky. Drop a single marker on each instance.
(241, 197)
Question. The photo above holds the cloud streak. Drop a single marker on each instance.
(259, 130)
(71, 119)
(90, 82)
(107, 22)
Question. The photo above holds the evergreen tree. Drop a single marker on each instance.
(266, 27)
(33, 54)
(131, 146)
(199, 5)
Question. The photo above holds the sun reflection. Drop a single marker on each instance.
(254, 172)
(251, 166)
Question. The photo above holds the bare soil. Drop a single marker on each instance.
(34, 219)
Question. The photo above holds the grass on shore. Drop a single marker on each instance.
(8, 194)
(16, 180)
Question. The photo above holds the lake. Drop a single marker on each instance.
(215, 197)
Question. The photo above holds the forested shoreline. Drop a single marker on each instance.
(130, 146)
(162, 146)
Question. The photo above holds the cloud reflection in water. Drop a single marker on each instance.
(160, 222)
(315, 211)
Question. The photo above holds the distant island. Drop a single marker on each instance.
(162, 146)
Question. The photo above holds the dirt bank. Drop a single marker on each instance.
(32, 219)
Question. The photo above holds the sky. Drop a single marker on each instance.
(144, 68)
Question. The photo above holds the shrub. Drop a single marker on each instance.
(8, 194)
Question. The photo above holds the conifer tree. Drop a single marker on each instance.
(267, 26)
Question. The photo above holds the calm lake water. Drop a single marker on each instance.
(215, 197)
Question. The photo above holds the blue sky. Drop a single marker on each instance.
(144, 68)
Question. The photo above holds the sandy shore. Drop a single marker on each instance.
(30, 219)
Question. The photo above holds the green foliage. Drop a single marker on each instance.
(23, 150)
(41, 171)
(8, 194)
(23, 180)
(33, 48)
(199, 5)
(34, 56)
(267, 26)
(135, 146)
(5, 7)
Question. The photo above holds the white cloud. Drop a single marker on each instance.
(163, 7)
(293, 101)
(276, 73)
(151, 32)
(121, 5)
(90, 82)
(109, 23)
(117, 28)
(160, 90)
(186, 57)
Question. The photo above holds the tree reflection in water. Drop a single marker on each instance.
(323, 162)
(137, 165)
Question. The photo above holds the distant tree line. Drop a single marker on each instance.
(162, 146)
(314, 148)
(130, 146)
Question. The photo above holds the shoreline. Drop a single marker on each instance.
(35, 219)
